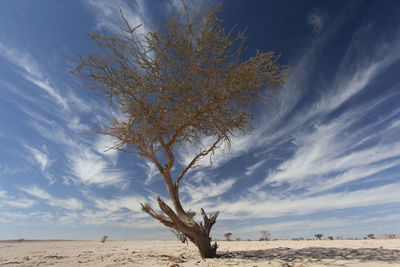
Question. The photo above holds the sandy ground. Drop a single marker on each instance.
(173, 253)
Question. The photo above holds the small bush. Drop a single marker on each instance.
(318, 236)
(371, 236)
(104, 238)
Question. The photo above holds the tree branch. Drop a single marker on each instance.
(156, 215)
(208, 221)
(194, 160)
(182, 223)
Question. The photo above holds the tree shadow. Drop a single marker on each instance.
(317, 254)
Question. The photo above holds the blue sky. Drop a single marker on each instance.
(324, 157)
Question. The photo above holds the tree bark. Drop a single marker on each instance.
(206, 250)
(199, 234)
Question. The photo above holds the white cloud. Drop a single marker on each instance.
(22, 60)
(240, 144)
(349, 86)
(50, 90)
(26, 218)
(92, 168)
(395, 124)
(40, 157)
(36, 192)
(55, 132)
(151, 171)
(103, 144)
(23, 203)
(11, 217)
(317, 20)
(129, 202)
(75, 125)
(3, 194)
(65, 203)
(202, 192)
(256, 206)
(31, 71)
(329, 149)
(176, 5)
(108, 15)
(353, 174)
(83, 105)
(251, 169)
(391, 217)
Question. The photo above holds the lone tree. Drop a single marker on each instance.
(228, 236)
(264, 236)
(176, 86)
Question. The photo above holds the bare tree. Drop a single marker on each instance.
(176, 86)
(264, 236)
(228, 236)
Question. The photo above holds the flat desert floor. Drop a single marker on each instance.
(173, 253)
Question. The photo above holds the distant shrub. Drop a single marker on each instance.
(104, 238)
(330, 237)
(371, 236)
(265, 235)
(318, 236)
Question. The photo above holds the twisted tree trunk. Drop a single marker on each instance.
(198, 233)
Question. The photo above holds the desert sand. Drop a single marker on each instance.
(174, 253)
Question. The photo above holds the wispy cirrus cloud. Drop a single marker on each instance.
(251, 169)
(267, 206)
(41, 157)
(65, 203)
(23, 203)
(3, 193)
(122, 202)
(317, 20)
(30, 70)
(103, 145)
(108, 14)
(207, 190)
(150, 170)
(22, 60)
(326, 152)
(91, 168)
